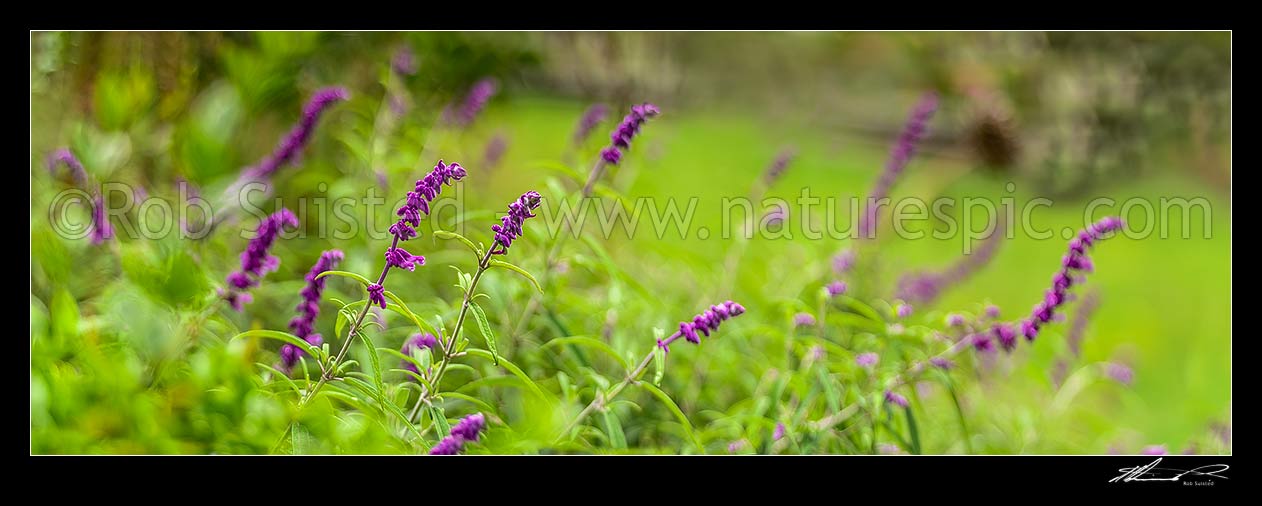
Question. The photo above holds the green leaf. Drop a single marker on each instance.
(282, 376)
(345, 274)
(443, 234)
(519, 270)
(485, 328)
(439, 417)
(674, 408)
(659, 360)
(616, 438)
(286, 337)
(913, 430)
(64, 315)
(402, 309)
(470, 399)
(374, 361)
(589, 342)
(512, 368)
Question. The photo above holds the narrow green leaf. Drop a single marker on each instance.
(519, 270)
(485, 328)
(470, 399)
(913, 430)
(443, 234)
(512, 368)
(589, 342)
(283, 336)
(617, 439)
(345, 274)
(439, 417)
(375, 362)
(674, 408)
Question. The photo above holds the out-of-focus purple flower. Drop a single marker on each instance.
(1155, 450)
(704, 323)
(627, 130)
(417, 342)
(776, 215)
(992, 311)
(955, 320)
(468, 429)
(255, 260)
(868, 360)
(836, 288)
(494, 151)
(735, 446)
(592, 117)
(303, 325)
(902, 310)
(942, 363)
(982, 342)
(473, 103)
(510, 225)
(803, 320)
(779, 432)
(297, 137)
(904, 147)
(889, 449)
(778, 166)
(843, 261)
(1073, 264)
(924, 287)
(818, 353)
(895, 399)
(404, 61)
(1005, 335)
(1078, 328)
(64, 156)
(1119, 373)
(101, 228)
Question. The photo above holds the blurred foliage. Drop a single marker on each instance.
(131, 353)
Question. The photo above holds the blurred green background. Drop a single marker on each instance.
(1066, 116)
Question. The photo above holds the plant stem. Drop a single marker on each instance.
(346, 343)
(604, 397)
(449, 347)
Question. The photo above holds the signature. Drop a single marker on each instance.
(1151, 472)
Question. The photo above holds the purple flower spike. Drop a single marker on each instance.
(868, 360)
(704, 323)
(495, 149)
(468, 429)
(904, 148)
(803, 320)
(510, 225)
(895, 399)
(778, 166)
(1073, 265)
(621, 136)
(474, 102)
(255, 260)
(297, 137)
(942, 363)
(779, 432)
(592, 117)
(303, 324)
(925, 287)
(836, 288)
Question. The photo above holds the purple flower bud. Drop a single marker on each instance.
(842, 262)
(902, 310)
(1029, 329)
(404, 61)
(1119, 373)
(448, 446)
(611, 155)
(982, 342)
(77, 172)
(895, 399)
(417, 342)
(1006, 336)
(955, 320)
(735, 446)
(992, 311)
(868, 360)
(803, 320)
(942, 363)
(399, 257)
(778, 433)
(778, 166)
(377, 295)
(1155, 450)
(468, 429)
(836, 288)
(101, 228)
